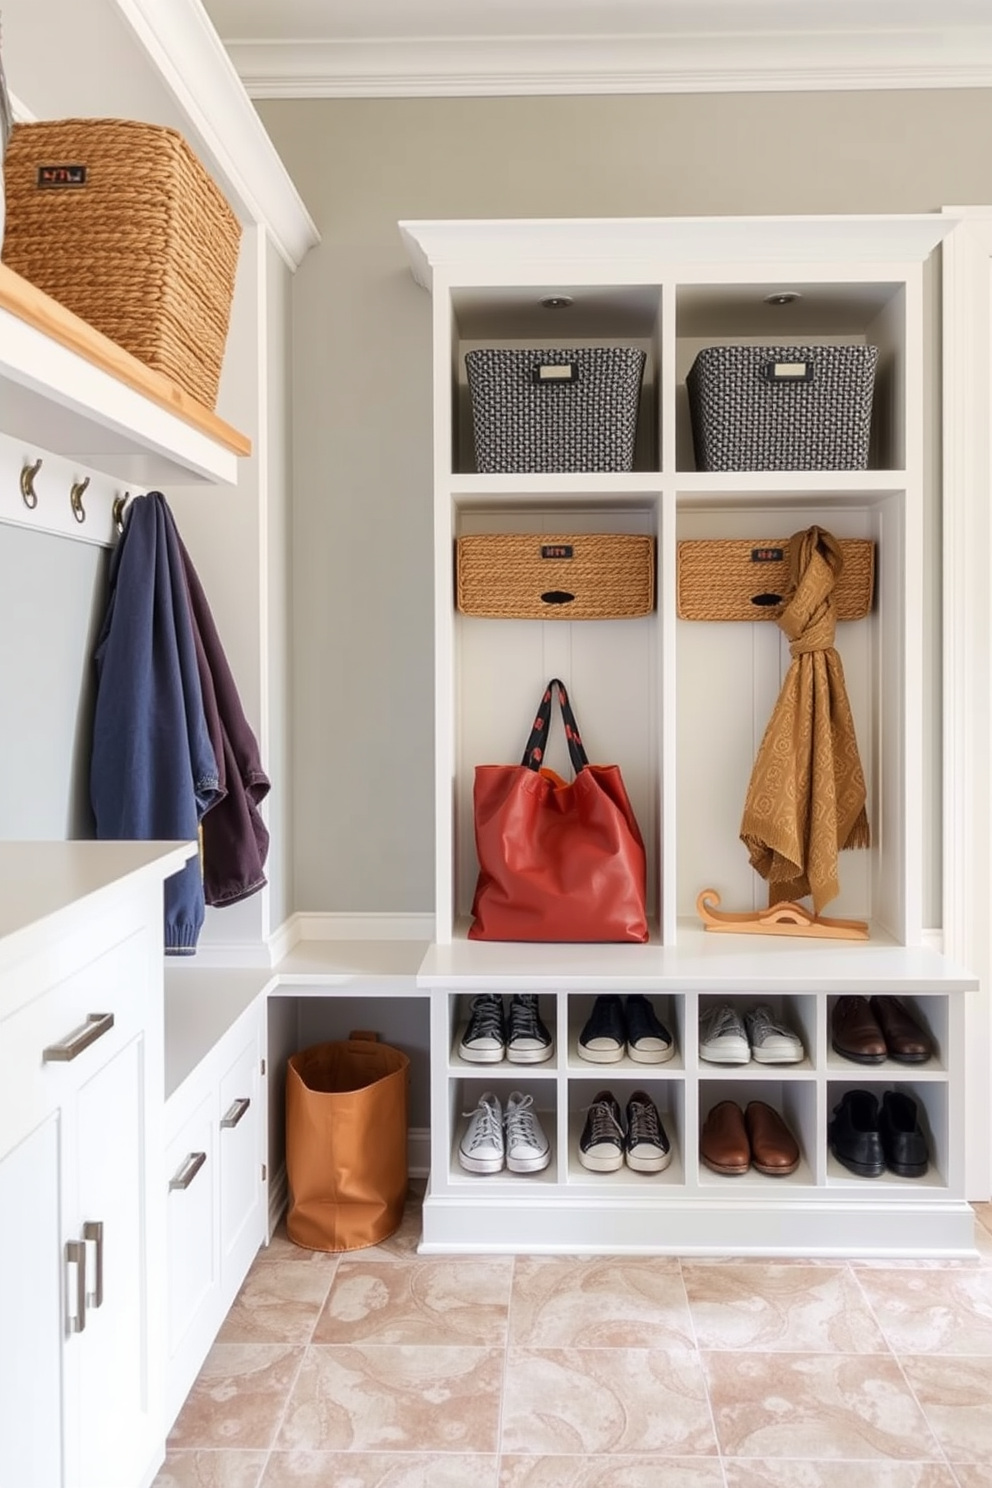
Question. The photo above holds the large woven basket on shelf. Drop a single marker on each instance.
(120, 223)
(541, 576)
(731, 579)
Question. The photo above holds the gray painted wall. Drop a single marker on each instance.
(363, 719)
(52, 597)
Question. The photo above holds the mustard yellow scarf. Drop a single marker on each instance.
(806, 799)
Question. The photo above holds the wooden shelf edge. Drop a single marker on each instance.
(46, 315)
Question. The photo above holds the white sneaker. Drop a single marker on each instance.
(527, 1148)
(772, 1042)
(482, 1149)
(722, 1037)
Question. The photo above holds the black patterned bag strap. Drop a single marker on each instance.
(537, 743)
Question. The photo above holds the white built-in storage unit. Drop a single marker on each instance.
(681, 707)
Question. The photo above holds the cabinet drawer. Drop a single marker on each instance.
(59, 1038)
(240, 1160)
(190, 1175)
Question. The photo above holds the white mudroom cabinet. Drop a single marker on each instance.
(681, 706)
(82, 1244)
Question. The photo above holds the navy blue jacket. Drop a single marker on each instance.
(153, 772)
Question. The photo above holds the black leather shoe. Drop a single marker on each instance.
(903, 1142)
(855, 1138)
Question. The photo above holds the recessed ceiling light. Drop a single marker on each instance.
(557, 302)
(783, 297)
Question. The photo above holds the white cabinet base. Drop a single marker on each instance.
(626, 1226)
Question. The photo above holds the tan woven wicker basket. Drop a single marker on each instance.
(541, 576)
(743, 580)
(120, 222)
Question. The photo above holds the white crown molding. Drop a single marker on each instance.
(183, 46)
(402, 67)
(461, 249)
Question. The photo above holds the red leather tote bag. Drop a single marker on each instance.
(557, 861)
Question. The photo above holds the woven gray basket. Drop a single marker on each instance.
(782, 407)
(566, 409)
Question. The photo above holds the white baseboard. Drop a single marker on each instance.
(371, 926)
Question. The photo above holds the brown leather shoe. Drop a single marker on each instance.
(855, 1032)
(774, 1150)
(723, 1142)
(905, 1040)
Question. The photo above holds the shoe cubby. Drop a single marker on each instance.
(933, 1110)
(464, 1097)
(795, 1101)
(459, 1014)
(668, 1008)
(931, 1013)
(794, 1012)
(669, 1099)
(682, 706)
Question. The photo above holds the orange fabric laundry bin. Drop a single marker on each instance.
(346, 1143)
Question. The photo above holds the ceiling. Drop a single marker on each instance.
(383, 48)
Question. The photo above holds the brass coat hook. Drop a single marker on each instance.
(117, 510)
(76, 499)
(28, 491)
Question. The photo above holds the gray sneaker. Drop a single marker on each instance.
(482, 1148)
(527, 1148)
(722, 1036)
(772, 1042)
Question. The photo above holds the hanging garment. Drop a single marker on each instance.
(153, 771)
(235, 839)
(806, 799)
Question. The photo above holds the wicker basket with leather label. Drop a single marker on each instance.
(731, 579)
(555, 576)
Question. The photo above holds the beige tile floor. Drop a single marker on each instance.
(382, 1369)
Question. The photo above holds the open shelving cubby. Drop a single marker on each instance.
(681, 706)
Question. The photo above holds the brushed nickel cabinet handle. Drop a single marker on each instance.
(96, 1025)
(93, 1231)
(233, 1115)
(185, 1175)
(75, 1255)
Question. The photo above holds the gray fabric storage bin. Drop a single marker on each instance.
(782, 407)
(572, 408)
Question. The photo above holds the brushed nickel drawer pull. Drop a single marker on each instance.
(75, 1255)
(235, 1112)
(96, 1025)
(184, 1177)
(93, 1230)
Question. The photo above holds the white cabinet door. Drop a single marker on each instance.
(115, 1413)
(193, 1249)
(31, 1350)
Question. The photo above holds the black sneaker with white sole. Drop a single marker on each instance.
(528, 1040)
(646, 1145)
(484, 1040)
(602, 1141)
(648, 1040)
(604, 1037)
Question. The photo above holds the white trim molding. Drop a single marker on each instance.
(508, 66)
(967, 646)
(371, 926)
(190, 58)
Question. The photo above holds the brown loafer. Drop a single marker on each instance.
(905, 1040)
(723, 1141)
(855, 1033)
(774, 1150)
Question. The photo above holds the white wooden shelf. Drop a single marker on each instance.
(67, 389)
